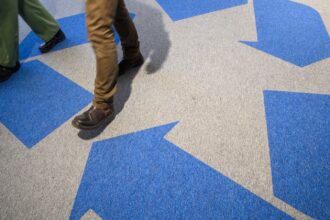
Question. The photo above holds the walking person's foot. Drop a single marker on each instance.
(58, 37)
(94, 118)
(126, 65)
(6, 72)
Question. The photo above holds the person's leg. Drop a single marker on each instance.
(129, 39)
(100, 16)
(9, 33)
(38, 18)
(127, 31)
(42, 23)
(8, 38)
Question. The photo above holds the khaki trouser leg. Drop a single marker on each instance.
(8, 32)
(101, 15)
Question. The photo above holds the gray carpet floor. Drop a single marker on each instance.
(197, 73)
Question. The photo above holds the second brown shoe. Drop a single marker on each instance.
(93, 118)
(127, 65)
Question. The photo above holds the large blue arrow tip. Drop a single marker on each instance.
(162, 130)
(290, 31)
(104, 157)
(151, 133)
(250, 43)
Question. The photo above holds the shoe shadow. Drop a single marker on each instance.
(155, 45)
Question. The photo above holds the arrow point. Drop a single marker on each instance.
(156, 132)
(144, 135)
(250, 43)
(164, 129)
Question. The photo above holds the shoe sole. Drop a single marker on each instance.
(104, 122)
(140, 63)
(4, 78)
(59, 40)
(7, 76)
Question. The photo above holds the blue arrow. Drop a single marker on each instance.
(299, 141)
(37, 100)
(290, 31)
(144, 176)
(182, 9)
(74, 29)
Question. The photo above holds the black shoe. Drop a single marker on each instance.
(93, 118)
(126, 65)
(6, 72)
(59, 37)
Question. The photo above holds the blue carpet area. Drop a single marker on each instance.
(37, 100)
(74, 29)
(178, 9)
(299, 140)
(143, 176)
(290, 31)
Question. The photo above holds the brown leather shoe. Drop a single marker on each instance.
(6, 72)
(126, 65)
(93, 118)
(58, 37)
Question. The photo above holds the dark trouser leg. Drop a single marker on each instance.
(127, 32)
(38, 18)
(9, 32)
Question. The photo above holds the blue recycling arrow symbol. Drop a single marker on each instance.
(299, 144)
(290, 31)
(144, 176)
